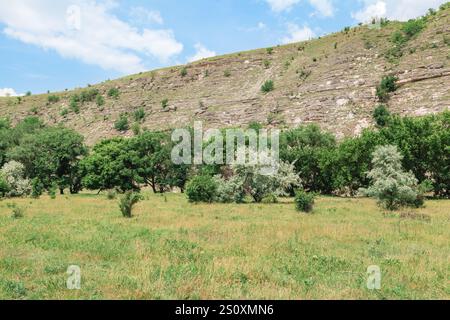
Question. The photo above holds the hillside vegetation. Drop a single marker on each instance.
(331, 81)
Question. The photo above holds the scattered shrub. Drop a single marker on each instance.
(100, 101)
(88, 95)
(34, 110)
(17, 212)
(37, 188)
(165, 103)
(122, 124)
(381, 115)
(229, 191)
(398, 38)
(28, 94)
(387, 85)
(4, 187)
(136, 128)
(227, 73)
(52, 191)
(111, 194)
(268, 86)
(266, 64)
(127, 202)
(269, 50)
(74, 103)
(64, 112)
(113, 93)
(139, 115)
(413, 27)
(183, 72)
(53, 99)
(304, 201)
(201, 189)
(304, 74)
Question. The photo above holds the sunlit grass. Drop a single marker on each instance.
(171, 249)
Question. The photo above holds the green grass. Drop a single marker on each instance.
(171, 249)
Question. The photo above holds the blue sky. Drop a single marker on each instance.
(54, 45)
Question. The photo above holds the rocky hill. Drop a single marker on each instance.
(330, 81)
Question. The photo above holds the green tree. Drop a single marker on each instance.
(155, 166)
(307, 147)
(52, 155)
(112, 164)
(352, 160)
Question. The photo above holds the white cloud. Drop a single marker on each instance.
(91, 34)
(8, 92)
(375, 10)
(297, 34)
(394, 9)
(202, 53)
(282, 5)
(261, 25)
(324, 7)
(143, 15)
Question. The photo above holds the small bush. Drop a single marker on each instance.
(88, 95)
(122, 124)
(28, 94)
(227, 73)
(304, 74)
(52, 191)
(304, 201)
(136, 128)
(100, 101)
(53, 99)
(387, 85)
(381, 115)
(113, 93)
(127, 202)
(398, 38)
(139, 115)
(111, 194)
(229, 191)
(4, 186)
(266, 64)
(269, 50)
(268, 86)
(74, 103)
(183, 72)
(17, 212)
(37, 188)
(269, 199)
(201, 189)
(413, 27)
(165, 103)
(64, 112)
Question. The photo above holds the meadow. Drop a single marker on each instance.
(172, 249)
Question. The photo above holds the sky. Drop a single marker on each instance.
(48, 45)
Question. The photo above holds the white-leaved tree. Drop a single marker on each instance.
(13, 174)
(391, 185)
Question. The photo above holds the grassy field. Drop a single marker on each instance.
(175, 250)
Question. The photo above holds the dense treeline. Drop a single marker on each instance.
(56, 158)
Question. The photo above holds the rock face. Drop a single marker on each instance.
(329, 81)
